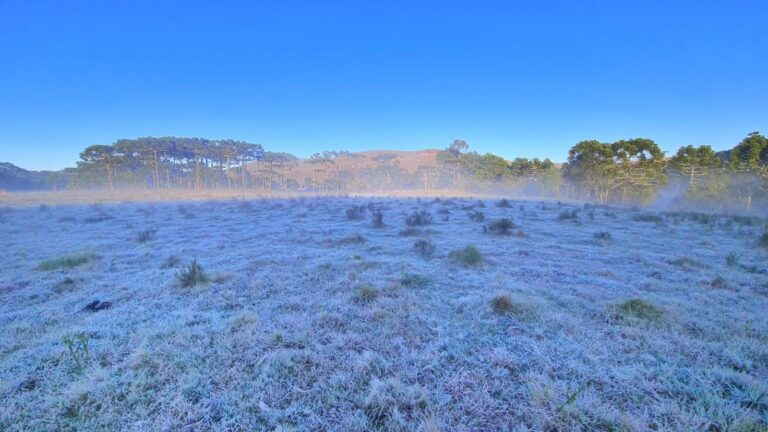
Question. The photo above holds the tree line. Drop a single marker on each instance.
(626, 171)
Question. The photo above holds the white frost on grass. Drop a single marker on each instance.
(280, 338)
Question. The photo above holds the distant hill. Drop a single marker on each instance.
(13, 178)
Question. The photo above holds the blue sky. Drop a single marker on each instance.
(526, 78)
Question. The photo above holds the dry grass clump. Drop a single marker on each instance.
(502, 304)
(365, 294)
(192, 275)
(146, 235)
(424, 248)
(572, 214)
(469, 256)
(377, 219)
(501, 227)
(477, 216)
(718, 282)
(392, 405)
(410, 232)
(602, 235)
(353, 239)
(66, 261)
(685, 262)
(413, 280)
(640, 309)
(419, 218)
(355, 212)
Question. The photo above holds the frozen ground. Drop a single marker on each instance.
(312, 321)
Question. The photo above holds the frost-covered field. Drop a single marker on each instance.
(603, 319)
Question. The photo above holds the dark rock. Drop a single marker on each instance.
(96, 306)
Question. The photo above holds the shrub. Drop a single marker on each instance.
(503, 203)
(377, 219)
(192, 275)
(469, 256)
(424, 248)
(568, 214)
(366, 294)
(477, 216)
(414, 281)
(501, 226)
(602, 235)
(66, 261)
(419, 218)
(146, 235)
(355, 212)
(502, 304)
(640, 309)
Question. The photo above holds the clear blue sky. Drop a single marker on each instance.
(528, 78)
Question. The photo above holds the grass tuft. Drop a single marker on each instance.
(365, 294)
(640, 309)
(412, 280)
(501, 226)
(192, 275)
(602, 235)
(502, 304)
(469, 256)
(419, 218)
(146, 235)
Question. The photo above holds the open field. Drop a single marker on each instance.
(305, 315)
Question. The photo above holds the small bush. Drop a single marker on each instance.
(602, 235)
(419, 218)
(66, 261)
(502, 304)
(568, 214)
(503, 203)
(732, 259)
(192, 275)
(377, 219)
(501, 226)
(477, 216)
(414, 281)
(366, 294)
(355, 212)
(640, 309)
(146, 235)
(424, 248)
(469, 256)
